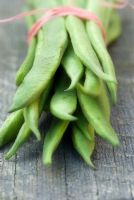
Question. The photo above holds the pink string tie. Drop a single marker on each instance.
(49, 14)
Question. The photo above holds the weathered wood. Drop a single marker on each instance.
(24, 177)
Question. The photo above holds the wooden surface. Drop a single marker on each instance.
(24, 177)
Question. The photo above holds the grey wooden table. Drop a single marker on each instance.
(24, 177)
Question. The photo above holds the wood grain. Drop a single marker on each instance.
(24, 177)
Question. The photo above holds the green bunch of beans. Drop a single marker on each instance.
(68, 73)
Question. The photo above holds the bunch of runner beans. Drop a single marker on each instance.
(69, 73)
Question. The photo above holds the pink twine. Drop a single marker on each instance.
(65, 11)
(119, 4)
(22, 15)
(55, 12)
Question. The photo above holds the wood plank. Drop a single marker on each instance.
(24, 177)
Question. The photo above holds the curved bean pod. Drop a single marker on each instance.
(63, 103)
(22, 136)
(11, 126)
(28, 62)
(92, 84)
(25, 130)
(83, 48)
(83, 146)
(52, 42)
(33, 112)
(31, 115)
(72, 66)
(105, 59)
(94, 113)
(98, 44)
(52, 139)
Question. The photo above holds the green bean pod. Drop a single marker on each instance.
(10, 128)
(31, 115)
(33, 111)
(52, 139)
(83, 48)
(83, 146)
(72, 66)
(52, 42)
(29, 124)
(63, 103)
(28, 62)
(92, 84)
(98, 44)
(94, 113)
(22, 136)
